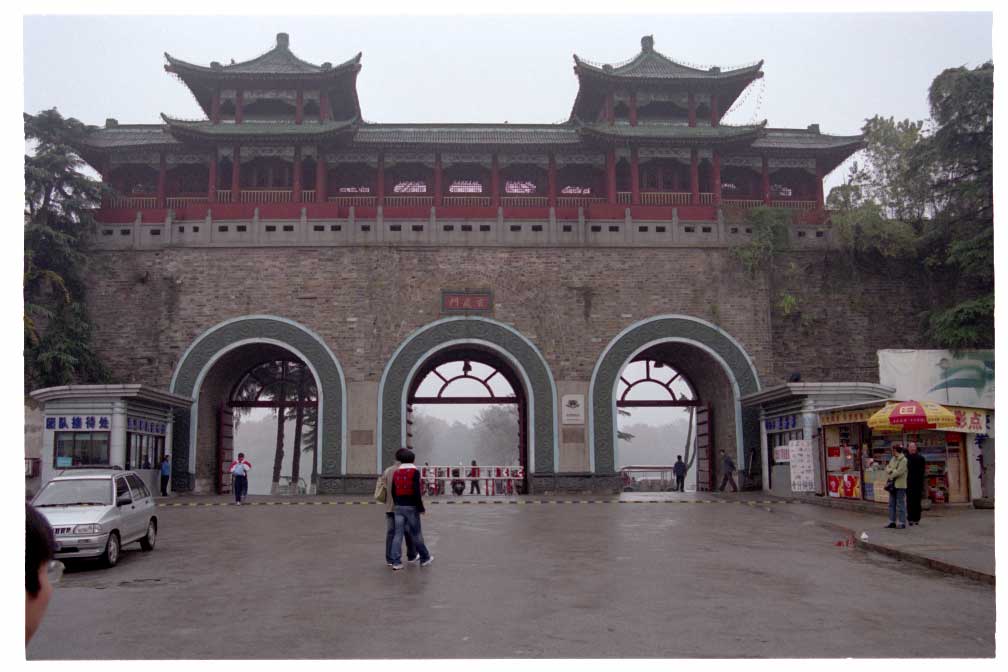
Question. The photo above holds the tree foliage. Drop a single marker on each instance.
(58, 219)
(924, 195)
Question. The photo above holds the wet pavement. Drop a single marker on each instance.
(669, 576)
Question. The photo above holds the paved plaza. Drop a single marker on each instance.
(602, 578)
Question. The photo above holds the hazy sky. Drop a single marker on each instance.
(831, 69)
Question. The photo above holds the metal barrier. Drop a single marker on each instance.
(648, 478)
(493, 480)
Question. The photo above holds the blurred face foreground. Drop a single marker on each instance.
(35, 605)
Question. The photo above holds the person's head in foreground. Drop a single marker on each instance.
(39, 549)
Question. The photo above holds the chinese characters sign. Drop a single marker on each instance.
(466, 301)
(83, 423)
(781, 423)
(802, 467)
(144, 426)
(843, 417)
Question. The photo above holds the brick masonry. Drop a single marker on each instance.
(149, 306)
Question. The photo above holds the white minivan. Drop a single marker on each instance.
(94, 511)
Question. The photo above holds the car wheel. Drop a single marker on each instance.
(111, 556)
(147, 543)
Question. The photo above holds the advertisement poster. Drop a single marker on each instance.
(802, 466)
(963, 379)
(847, 486)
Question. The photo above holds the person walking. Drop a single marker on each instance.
(896, 470)
(239, 471)
(916, 466)
(386, 481)
(474, 474)
(679, 470)
(728, 465)
(409, 505)
(165, 474)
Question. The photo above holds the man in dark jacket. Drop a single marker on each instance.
(916, 466)
(406, 495)
(729, 471)
(679, 469)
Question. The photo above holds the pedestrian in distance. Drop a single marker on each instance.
(916, 466)
(474, 474)
(383, 493)
(729, 472)
(896, 470)
(679, 470)
(165, 474)
(409, 505)
(41, 571)
(239, 472)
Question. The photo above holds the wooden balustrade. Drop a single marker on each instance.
(623, 197)
(466, 201)
(706, 198)
(139, 202)
(400, 201)
(308, 196)
(524, 201)
(578, 201)
(794, 205)
(223, 196)
(665, 198)
(347, 201)
(266, 195)
(184, 201)
(742, 202)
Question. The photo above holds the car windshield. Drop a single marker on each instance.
(78, 491)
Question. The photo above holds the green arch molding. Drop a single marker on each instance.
(442, 333)
(734, 359)
(280, 331)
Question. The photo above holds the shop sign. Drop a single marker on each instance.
(77, 422)
(781, 454)
(847, 417)
(781, 423)
(144, 426)
(572, 409)
(973, 420)
(802, 466)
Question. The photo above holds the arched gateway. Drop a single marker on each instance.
(215, 360)
(522, 357)
(713, 361)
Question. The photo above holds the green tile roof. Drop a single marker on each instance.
(650, 64)
(278, 61)
(467, 134)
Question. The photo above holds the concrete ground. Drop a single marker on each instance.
(634, 578)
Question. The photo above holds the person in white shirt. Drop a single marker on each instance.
(239, 472)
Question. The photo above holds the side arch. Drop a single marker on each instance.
(226, 336)
(522, 354)
(711, 339)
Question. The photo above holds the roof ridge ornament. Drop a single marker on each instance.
(647, 44)
(283, 40)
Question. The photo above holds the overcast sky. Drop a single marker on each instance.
(832, 69)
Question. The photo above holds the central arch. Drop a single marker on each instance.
(694, 339)
(525, 359)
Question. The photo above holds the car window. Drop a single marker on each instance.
(121, 487)
(74, 492)
(140, 490)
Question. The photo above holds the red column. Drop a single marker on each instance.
(161, 178)
(324, 105)
(634, 178)
(299, 106)
(552, 179)
(212, 182)
(437, 178)
(239, 114)
(633, 109)
(820, 196)
(296, 179)
(692, 109)
(215, 106)
(236, 175)
(716, 177)
(765, 186)
(381, 179)
(611, 176)
(714, 112)
(321, 178)
(494, 182)
(694, 177)
(609, 108)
